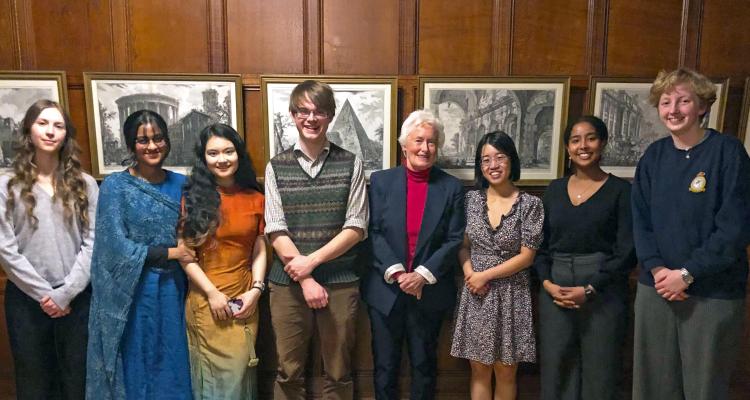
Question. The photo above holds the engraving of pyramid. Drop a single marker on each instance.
(349, 133)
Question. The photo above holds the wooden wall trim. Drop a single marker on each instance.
(217, 36)
(502, 36)
(25, 35)
(313, 36)
(690, 33)
(121, 50)
(408, 25)
(596, 37)
(495, 37)
(16, 47)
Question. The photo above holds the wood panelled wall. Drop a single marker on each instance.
(405, 38)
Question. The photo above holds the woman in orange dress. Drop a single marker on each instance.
(223, 220)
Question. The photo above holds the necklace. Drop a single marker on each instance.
(579, 196)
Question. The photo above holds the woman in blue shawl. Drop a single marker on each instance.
(137, 340)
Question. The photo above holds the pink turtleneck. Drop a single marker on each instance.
(416, 197)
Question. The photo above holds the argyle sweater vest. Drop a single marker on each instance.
(315, 211)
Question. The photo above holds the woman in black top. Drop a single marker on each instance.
(583, 265)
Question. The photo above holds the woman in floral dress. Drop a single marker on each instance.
(494, 328)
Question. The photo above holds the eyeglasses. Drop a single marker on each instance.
(500, 159)
(145, 140)
(304, 113)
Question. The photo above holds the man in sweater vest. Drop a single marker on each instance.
(316, 214)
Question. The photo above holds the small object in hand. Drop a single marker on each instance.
(235, 305)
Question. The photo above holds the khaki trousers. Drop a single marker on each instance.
(294, 324)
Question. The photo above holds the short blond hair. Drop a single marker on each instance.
(665, 81)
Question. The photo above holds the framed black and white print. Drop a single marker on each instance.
(633, 123)
(187, 102)
(18, 91)
(531, 110)
(365, 120)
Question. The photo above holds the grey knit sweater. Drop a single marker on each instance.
(53, 259)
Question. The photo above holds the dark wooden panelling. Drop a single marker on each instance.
(264, 36)
(62, 42)
(77, 108)
(725, 40)
(313, 33)
(408, 93)
(360, 37)
(25, 34)
(596, 37)
(168, 36)
(549, 37)
(455, 37)
(408, 19)
(643, 38)
(217, 33)
(255, 138)
(690, 34)
(502, 33)
(8, 52)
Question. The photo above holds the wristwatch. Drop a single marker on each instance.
(260, 285)
(686, 276)
(589, 292)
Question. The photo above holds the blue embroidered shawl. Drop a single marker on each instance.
(132, 215)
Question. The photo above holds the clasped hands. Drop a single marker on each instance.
(300, 268)
(669, 283)
(570, 297)
(411, 283)
(477, 282)
(52, 309)
(219, 304)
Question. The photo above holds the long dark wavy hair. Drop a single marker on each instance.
(201, 215)
(67, 179)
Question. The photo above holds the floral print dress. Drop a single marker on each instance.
(498, 326)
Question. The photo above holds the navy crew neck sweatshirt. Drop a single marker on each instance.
(691, 209)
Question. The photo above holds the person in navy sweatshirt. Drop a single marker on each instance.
(691, 222)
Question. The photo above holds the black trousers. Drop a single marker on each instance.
(580, 352)
(49, 354)
(420, 328)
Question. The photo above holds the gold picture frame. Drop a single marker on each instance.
(633, 123)
(19, 90)
(533, 111)
(187, 102)
(365, 120)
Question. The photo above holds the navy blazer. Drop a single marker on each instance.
(442, 232)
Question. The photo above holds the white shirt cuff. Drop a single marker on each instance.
(426, 274)
(392, 270)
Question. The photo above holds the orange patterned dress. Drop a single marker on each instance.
(222, 353)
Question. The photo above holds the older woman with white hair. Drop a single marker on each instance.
(416, 227)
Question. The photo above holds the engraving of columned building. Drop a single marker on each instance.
(163, 105)
(622, 114)
(525, 115)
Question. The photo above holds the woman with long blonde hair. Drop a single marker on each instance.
(46, 238)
